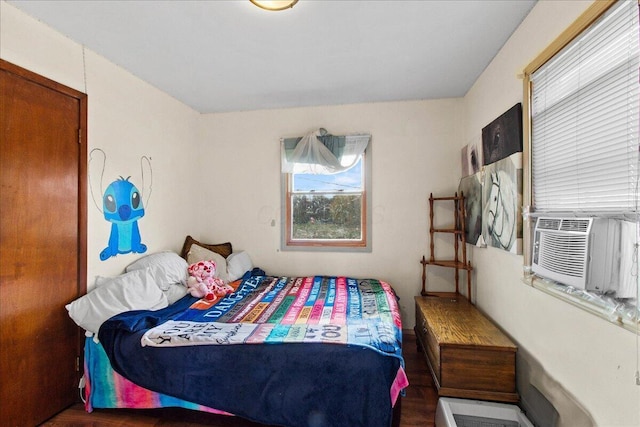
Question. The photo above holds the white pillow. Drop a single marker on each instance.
(175, 292)
(198, 253)
(238, 263)
(173, 266)
(101, 280)
(136, 290)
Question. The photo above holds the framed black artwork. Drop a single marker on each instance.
(503, 136)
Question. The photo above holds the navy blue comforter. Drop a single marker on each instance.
(294, 385)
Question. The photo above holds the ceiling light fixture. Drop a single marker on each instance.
(274, 4)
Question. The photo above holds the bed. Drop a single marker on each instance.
(290, 351)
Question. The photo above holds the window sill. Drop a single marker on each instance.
(606, 308)
(325, 248)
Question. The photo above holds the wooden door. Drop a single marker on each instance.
(42, 243)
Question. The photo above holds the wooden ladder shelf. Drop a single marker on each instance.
(459, 241)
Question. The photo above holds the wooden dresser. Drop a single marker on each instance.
(469, 357)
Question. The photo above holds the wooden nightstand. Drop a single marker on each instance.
(469, 357)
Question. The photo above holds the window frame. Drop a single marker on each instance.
(581, 24)
(326, 245)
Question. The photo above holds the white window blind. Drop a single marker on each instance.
(584, 119)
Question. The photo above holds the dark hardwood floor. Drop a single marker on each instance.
(418, 406)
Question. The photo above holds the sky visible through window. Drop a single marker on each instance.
(349, 180)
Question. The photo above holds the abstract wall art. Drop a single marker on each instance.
(502, 204)
(471, 188)
(471, 158)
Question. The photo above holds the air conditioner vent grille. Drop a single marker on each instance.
(549, 223)
(561, 249)
(564, 254)
(578, 225)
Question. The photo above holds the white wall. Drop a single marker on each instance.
(414, 147)
(574, 355)
(127, 119)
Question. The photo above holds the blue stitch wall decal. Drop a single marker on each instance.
(122, 206)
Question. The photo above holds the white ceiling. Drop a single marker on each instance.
(218, 56)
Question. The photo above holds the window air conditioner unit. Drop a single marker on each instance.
(579, 252)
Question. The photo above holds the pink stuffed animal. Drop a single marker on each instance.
(202, 282)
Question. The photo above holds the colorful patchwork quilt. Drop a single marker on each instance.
(275, 310)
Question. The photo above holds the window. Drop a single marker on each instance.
(584, 116)
(582, 134)
(326, 204)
